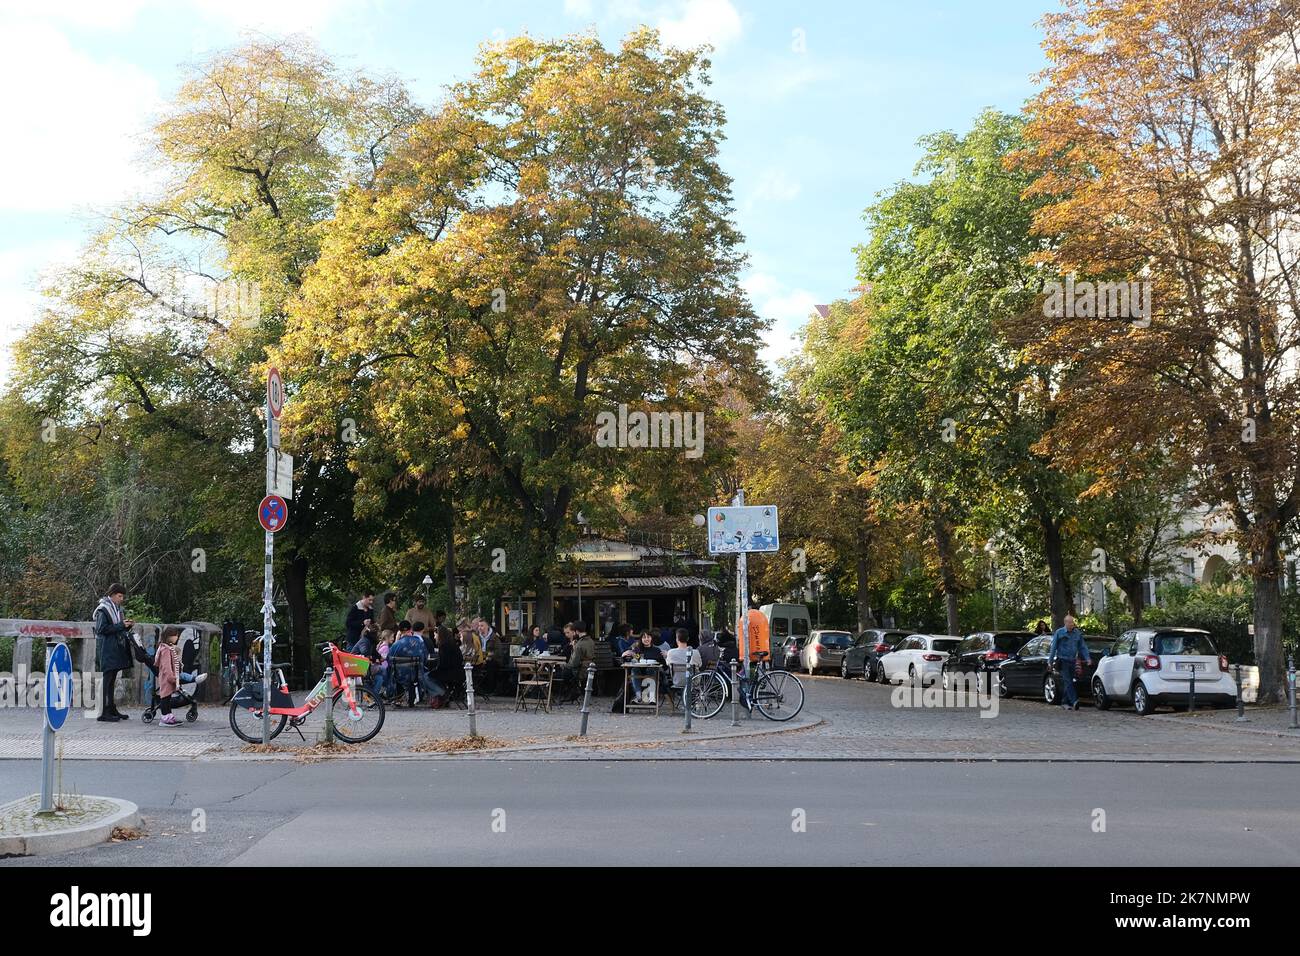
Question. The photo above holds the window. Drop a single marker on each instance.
(940, 644)
(800, 626)
(1189, 642)
(780, 626)
(835, 638)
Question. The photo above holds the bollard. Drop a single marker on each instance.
(735, 696)
(586, 698)
(1191, 695)
(1290, 683)
(686, 697)
(1241, 704)
(469, 699)
(329, 705)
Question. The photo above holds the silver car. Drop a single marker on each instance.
(824, 650)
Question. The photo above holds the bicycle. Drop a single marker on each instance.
(358, 711)
(777, 693)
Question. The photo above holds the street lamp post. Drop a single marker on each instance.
(991, 548)
(817, 580)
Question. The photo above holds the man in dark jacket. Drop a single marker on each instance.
(112, 648)
(359, 615)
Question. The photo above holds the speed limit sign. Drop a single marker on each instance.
(275, 392)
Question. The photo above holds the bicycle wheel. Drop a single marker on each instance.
(246, 722)
(358, 727)
(708, 694)
(778, 695)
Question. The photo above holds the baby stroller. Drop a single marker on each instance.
(189, 648)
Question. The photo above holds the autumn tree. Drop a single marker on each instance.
(554, 241)
(1166, 138)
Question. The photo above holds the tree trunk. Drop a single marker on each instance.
(1268, 621)
(544, 588)
(449, 566)
(1058, 581)
(1136, 593)
(295, 586)
(948, 571)
(865, 617)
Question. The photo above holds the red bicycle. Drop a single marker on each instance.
(358, 711)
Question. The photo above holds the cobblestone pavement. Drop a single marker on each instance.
(860, 722)
(842, 720)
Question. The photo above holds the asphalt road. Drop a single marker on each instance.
(699, 812)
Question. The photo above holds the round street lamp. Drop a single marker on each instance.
(818, 580)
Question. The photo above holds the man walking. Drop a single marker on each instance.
(1068, 646)
(112, 649)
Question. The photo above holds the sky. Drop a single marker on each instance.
(825, 102)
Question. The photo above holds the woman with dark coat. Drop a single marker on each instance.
(112, 648)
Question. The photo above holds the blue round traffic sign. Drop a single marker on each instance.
(273, 513)
(58, 686)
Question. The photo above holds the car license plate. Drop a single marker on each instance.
(1191, 667)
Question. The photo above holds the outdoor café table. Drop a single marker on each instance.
(648, 669)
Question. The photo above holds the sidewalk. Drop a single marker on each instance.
(1273, 720)
(411, 733)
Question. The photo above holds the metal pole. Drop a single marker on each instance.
(586, 698)
(735, 694)
(686, 697)
(268, 629)
(469, 699)
(1241, 704)
(329, 705)
(1290, 683)
(47, 745)
(993, 581)
(1191, 696)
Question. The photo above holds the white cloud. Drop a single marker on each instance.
(774, 185)
(788, 308)
(278, 16)
(681, 23)
(701, 21)
(73, 130)
(21, 269)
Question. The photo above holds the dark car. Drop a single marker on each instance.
(862, 659)
(1029, 670)
(981, 653)
(787, 652)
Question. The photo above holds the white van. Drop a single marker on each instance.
(786, 624)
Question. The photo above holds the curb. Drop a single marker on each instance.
(73, 838)
(569, 746)
(1200, 724)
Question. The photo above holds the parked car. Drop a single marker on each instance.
(1029, 671)
(824, 650)
(918, 659)
(1153, 666)
(787, 652)
(862, 659)
(982, 653)
(786, 620)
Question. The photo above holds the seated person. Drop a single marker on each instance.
(450, 668)
(535, 642)
(682, 654)
(407, 675)
(642, 685)
(427, 636)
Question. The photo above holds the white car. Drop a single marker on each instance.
(1151, 666)
(918, 659)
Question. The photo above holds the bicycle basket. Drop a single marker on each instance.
(354, 666)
